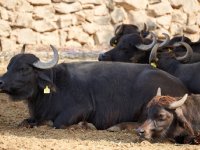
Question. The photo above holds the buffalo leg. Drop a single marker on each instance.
(28, 123)
(67, 118)
(124, 126)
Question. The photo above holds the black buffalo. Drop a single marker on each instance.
(127, 49)
(132, 48)
(187, 73)
(127, 29)
(101, 93)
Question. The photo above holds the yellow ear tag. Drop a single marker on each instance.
(169, 50)
(153, 64)
(114, 45)
(46, 90)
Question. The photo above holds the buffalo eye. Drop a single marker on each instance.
(24, 70)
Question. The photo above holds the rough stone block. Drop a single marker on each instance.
(50, 38)
(176, 29)
(73, 44)
(5, 28)
(7, 45)
(164, 21)
(44, 25)
(78, 34)
(43, 12)
(103, 37)
(23, 19)
(138, 17)
(192, 29)
(132, 4)
(26, 36)
(100, 10)
(89, 28)
(179, 17)
(39, 2)
(67, 8)
(118, 15)
(160, 8)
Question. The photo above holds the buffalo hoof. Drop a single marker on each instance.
(86, 125)
(28, 123)
(128, 126)
(114, 129)
(82, 125)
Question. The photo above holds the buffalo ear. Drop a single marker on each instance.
(45, 81)
(183, 121)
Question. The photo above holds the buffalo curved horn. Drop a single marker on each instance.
(50, 64)
(144, 47)
(144, 31)
(153, 54)
(144, 28)
(183, 38)
(119, 29)
(178, 103)
(178, 43)
(158, 92)
(23, 49)
(188, 54)
(166, 41)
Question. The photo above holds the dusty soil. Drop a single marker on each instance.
(45, 137)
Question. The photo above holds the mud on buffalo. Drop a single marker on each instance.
(101, 93)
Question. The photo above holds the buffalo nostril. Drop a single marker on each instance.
(1, 83)
(140, 131)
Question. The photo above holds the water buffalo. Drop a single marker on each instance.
(127, 29)
(127, 49)
(132, 48)
(101, 93)
(187, 73)
(172, 117)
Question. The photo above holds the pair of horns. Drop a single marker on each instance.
(45, 65)
(154, 38)
(175, 104)
(186, 57)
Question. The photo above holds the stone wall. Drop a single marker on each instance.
(90, 23)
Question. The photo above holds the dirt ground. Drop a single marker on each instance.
(45, 137)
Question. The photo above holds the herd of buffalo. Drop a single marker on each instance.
(120, 90)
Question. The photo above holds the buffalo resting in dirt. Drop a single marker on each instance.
(171, 117)
(101, 93)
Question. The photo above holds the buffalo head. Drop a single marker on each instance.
(26, 75)
(130, 48)
(124, 29)
(165, 119)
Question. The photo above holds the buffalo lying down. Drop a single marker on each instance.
(174, 118)
(101, 93)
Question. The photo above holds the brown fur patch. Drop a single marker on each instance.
(161, 101)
